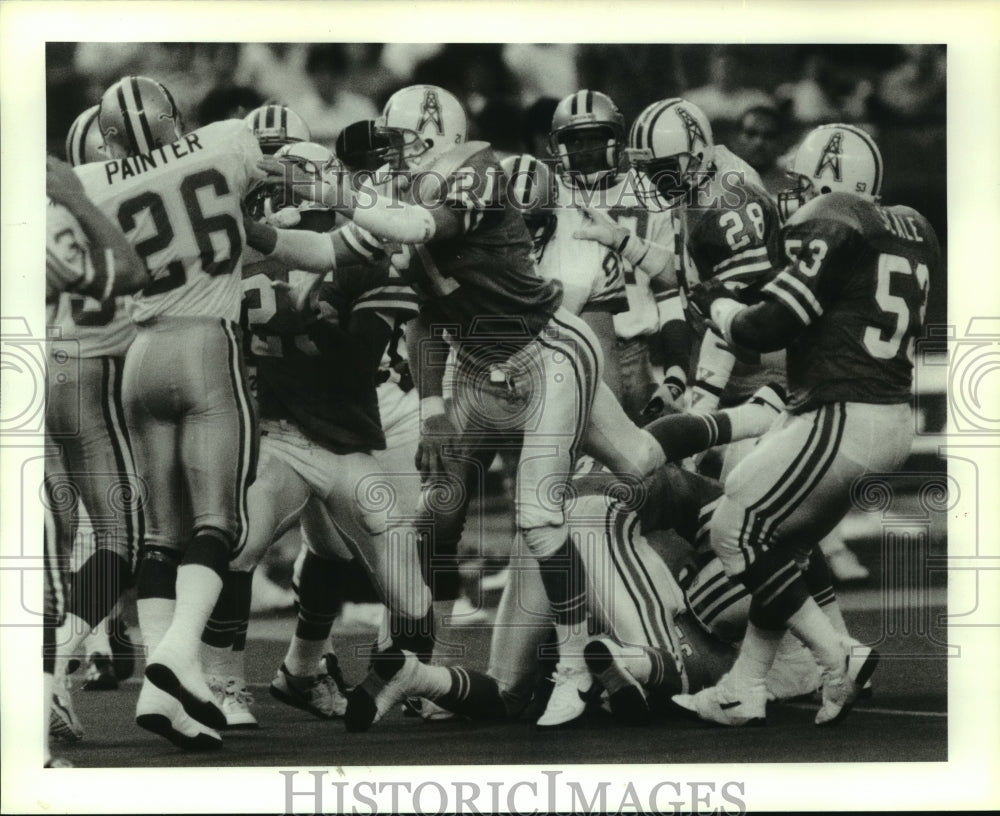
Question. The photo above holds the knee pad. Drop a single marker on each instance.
(543, 542)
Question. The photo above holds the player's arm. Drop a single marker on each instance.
(676, 340)
(649, 256)
(111, 266)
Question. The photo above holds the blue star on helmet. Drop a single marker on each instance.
(830, 157)
(694, 132)
(430, 113)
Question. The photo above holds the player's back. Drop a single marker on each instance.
(180, 206)
(859, 275)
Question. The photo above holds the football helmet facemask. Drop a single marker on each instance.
(587, 138)
(136, 115)
(275, 126)
(419, 123)
(834, 158)
(672, 151)
(313, 159)
(531, 190)
(84, 142)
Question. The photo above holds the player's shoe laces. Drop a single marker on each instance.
(573, 688)
(728, 703)
(63, 722)
(162, 714)
(625, 694)
(389, 682)
(840, 691)
(232, 697)
(100, 674)
(316, 693)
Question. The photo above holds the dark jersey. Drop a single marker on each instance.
(856, 279)
(482, 283)
(733, 228)
(322, 374)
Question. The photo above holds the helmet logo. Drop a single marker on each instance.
(694, 132)
(830, 157)
(430, 113)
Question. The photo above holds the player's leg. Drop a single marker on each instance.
(218, 455)
(781, 500)
(99, 461)
(150, 414)
(275, 502)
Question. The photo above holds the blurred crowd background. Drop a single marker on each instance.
(760, 98)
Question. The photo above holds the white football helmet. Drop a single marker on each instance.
(313, 159)
(137, 114)
(834, 158)
(671, 149)
(84, 142)
(583, 161)
(421, 122)
(531, 190)
(275, 126)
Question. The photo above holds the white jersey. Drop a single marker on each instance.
(591, 274)
(99, 329)
(621, 202)
(180, 207)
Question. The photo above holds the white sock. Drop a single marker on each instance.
(198, 589)
(815, 630)
(303, 656)
(98, 642)
(571, 639)
(69, 640)
(221, 662)
(155, 615)
(433, 681)
(757, 653)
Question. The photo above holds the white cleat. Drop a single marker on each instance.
(841, 691)
(625, 694)
(232, 697)
(728, 703)
(574, 688)
(63, 722)
(162, 714)
(185, 682)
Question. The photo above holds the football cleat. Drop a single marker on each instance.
(727, 703)
(625, 694)
(572, 690)
(188, 686)
(100, 674)
(842, 690)
(58, 762)
(318, 693)
(232, 697)
(432, 712)
(161, 714)
(388, 684)
(63, 722)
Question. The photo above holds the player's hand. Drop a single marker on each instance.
(303, 185)
(668, 395)
(62, 185)
(302, 291)
(436, 433)
(602, 228)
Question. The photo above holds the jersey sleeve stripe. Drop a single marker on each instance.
(748, 269)
(753, 254)
(803, 290)
(360, 242)
(790, 300)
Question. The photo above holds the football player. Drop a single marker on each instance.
(84, 413)
(520, 357)
(86, 254)
(847, 306)
(587, 141)
(275, 126)
(316, 378)
(193, 427)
